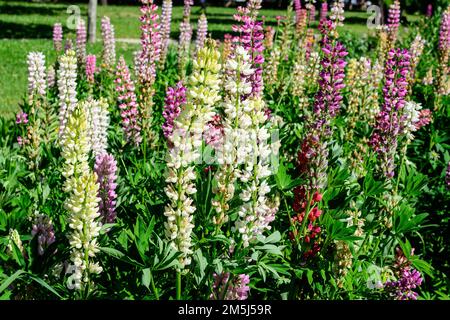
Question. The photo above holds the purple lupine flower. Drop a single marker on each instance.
(430, 10)
(444, 32)
(447, 176)
(324, 11)
(150, 43)
(81, 42)
(385, 136)
(224, 289)
(43, 228)
(403, 288)
(331, 77)
(394, 20)
(106, 167)
(175, 99)
(21, 118)
(91, 61)
(313, 155)
(109, 43)
(127, 103)
(252, 39)
(166, 18)
(57, 36)
(202, 30)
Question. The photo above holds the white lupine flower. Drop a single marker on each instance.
(410, 118)
(202, 94)
(237, 84)
(37, 84)
(82, 203)
(98, 123)
(67, 85)
(256, 212)
(337, 13)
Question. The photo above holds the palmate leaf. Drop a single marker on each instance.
(18, 274)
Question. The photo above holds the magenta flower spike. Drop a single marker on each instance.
(91, 61)
(385, 137)
(128, 103)
(175, 99)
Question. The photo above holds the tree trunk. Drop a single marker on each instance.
(104, 2)
(92, 20)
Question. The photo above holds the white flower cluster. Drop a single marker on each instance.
(67, 88)
(109, 42)
(256, 212)
(410, 118)
(14, 239)
(82, 203)
(98, 122)
(237, 121)
(37, 84)
(202, 94)
(304, 74)
(337, 13)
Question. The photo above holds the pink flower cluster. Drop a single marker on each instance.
(214, 133)
(236, 289)
(394, 20)
(150, 42)
(81, 41)
(91, 61)
(106, 167)
(385, 136)
(128, 103)
(251, 37)
(57, 36)
(175, 99)
(324, 11)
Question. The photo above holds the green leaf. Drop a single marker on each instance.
(120, 256)
(45, 285)
(146, 277)
(11, 279)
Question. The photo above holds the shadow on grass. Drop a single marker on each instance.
(11, 30)
(23, 9)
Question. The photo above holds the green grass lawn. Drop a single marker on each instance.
(26, 27)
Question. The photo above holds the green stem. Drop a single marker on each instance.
(178, 285)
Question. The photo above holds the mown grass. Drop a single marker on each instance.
(26, 27)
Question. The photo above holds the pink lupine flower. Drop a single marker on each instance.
(202, 30)
(150, 43)
(106, 168)
(166, 17)
(425, 118)
(252, 39)
(109, 43)
(127, 103)
(91, 61)
(57, 36)
(430, 10)
(214, 133)
(385, 137)
(81, 42)
(21, 118)
(226, 289)
(323, 11)
(394, 20)
(175, 99)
